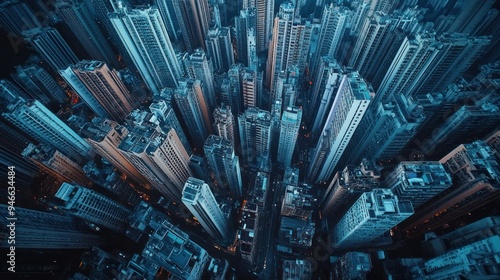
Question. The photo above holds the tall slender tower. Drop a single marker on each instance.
(145, 37)
(220, 48)
(160, 157)
(264, 22)
(289, 131)
(224, 164)
(225, 123)
(39, 84)
(199, 199)
(80, 21)
(289, 45)
(105, 136)
(333, 26)
(348, 108)
(194, 19)
(166, 114)
(166, 8)
(243, 24)
(425, 64)
(373, 214)
(255, 129)
(104, 85)
(417, 181)
(40, 123)
(93, 207)
(42, 230)
(49, 44)
(199, 67)
(194, 109)
(16, 17)
(56, 164)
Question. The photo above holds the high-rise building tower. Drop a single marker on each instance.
(169, 18)
(333, 26)
(417, 181)
(249, 87)
(243, 24)
(49, 44)
(347, 186)
(199, 67)
(350, 104)
(9, 92)
(199, 199)
(255, 129)
(160, 157)
(103, 84)
(225, 123)
(476, 183)
(56, 164)
(323, 93)
(39, 84)
(194, 109)
(16, 17)
(468, 123)
(194, 19)
(220, 48)
(264, 21)
(289, 131)
(145, 37)
(105, 136)
(224, 164)
(426, 64)
(79, 19)
(42, 230)
(469, 16)
(93, 207)
(289, 45)
(40, 123)
(372, 215)
(166, 114)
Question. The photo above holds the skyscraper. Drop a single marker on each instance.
(224, 164)
(194, 19)
(39, 84)
(350, 104)
(199, 199)
(93, 207)
(169, 18)
(425, 63)
(49, 44)
(372, 215)
(105, 136)
(347, 186)
(160, 157)
(418, 181)
(476, 183)
(289, 45)
(42, 230)
(243, 24)
(225, 123)
(37, 121)
(220, 48)
(255, 129)
(333, 26)
(104, 86)
(289, 131)
(56, 164)
(166, 114)
(199, 67)
(16, 17)
(264, 21)
(145, 37)
(79, 19)
(194, 109)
